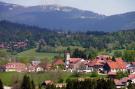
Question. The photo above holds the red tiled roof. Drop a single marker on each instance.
(124, 80)
(96, 62)
(117, 82)
(17, 66)
(118, 64)
(131, 76)
(58, 62)
(74, 60)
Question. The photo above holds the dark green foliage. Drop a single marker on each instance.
(91, 84)
(113, 58)
(129, 55)
(32, 84)
(94, 74)
(11, 32)
(76, 74)
(27, 83)
(121, 74)
(131, 85)
(48, 40)
(118, 54)
(79, 54)
(1, 85)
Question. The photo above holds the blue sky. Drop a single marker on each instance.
(107, 7)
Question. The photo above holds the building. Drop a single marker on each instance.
(115, 66)
(18, 67)
(2, 68)
(58, 63)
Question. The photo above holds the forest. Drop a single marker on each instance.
(12, 32)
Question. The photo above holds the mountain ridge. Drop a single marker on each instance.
(66, 18)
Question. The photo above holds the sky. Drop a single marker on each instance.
(106, 7)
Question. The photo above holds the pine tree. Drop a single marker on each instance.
(130, 85)
(26, 83)
(32, 85)
(113, 58)
(1, 85)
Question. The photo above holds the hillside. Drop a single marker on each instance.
(66, 18)
(12, 32)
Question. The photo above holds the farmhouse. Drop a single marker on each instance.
(115, 66)
(18, 67)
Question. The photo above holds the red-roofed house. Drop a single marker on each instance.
(115, 66)
(18, 67)
(95, 65)
(119, 84)
(58, 63)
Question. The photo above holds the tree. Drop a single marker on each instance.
(131, 85)
(79, 54)
(121, 74)
(118, 53)
(26, 84)
(113, 58)
(1, 85)
(32, 85)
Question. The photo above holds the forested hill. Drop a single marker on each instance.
(100, 40)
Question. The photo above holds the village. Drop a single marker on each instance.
(102, 64)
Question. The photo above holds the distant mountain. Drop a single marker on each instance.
(65, 18)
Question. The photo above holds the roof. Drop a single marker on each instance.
(15, 65)
(96, 62)
(118, 64)
(74, 60)
(48, 82)
(133, 63)
(124, 80)
(58, 62)
(131, 76)
(118, 82)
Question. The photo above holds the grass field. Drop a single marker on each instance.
(28, 55)
(31, 54)
(9, 77)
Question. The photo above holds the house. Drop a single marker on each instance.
(60, 85)
(2, 45)
(115, 66)
(70, 61)
(95, 65)
(39, 69)
(119, 84)
(2, 68)
(131, 67)
(123, 82)
(58, 63)
(47, 82)
(31, 68)
(18, 67)
(75, 64)
(35, 62)
(49, 66)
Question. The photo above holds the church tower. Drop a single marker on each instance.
(67, 59)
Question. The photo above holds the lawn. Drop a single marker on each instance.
(9, 77)
(28, 55)
(31, 54)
